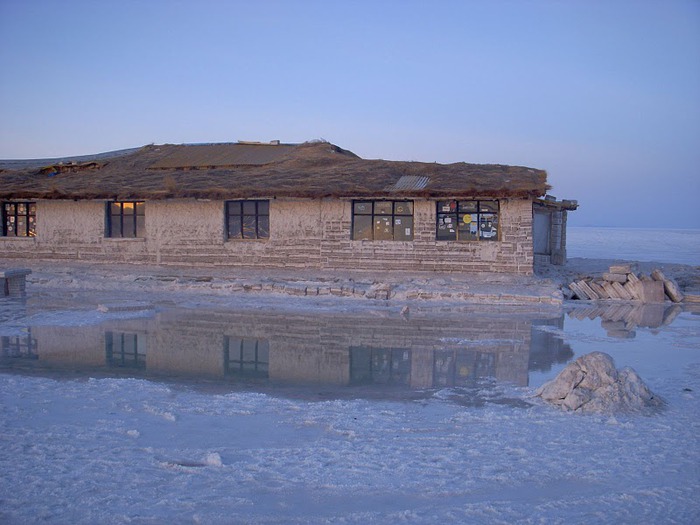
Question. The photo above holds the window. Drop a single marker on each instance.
(380, 365)
(246, 357)
(124, 350)
(126, 219)
(19, 219)
(382, 220)
(20, 346)
(248, 219)
(472, 220)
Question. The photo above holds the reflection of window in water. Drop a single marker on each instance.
(246, 357)
(22, 346)
(125, 350)
(460, 367)
(380, 365)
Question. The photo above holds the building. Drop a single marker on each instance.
(273, 205)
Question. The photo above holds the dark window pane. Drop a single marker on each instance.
(263, 227)
(128, 226)
(383, 208)
(140, 208)
(362, 228)
(403, 208)
(263, 207)
(115, 208)
(403, 228)
(21, 226)
(488, 206)
(488, 229)
(234, 227)
(32, 208)
(445, 228)
(362, 208)
(248, 350)
(233, 208)
(467, 206)
(249, 208)
(249, 227)
(383, 230)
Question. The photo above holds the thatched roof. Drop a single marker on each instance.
(245, 170)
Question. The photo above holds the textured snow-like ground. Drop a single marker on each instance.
(137, 451)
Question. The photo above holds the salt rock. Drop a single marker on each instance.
(592, 384)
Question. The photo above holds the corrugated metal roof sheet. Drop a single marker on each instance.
(408, 183)
(221, 155)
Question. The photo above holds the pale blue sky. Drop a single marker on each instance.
(604, 95)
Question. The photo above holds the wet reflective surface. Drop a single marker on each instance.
(332, 354)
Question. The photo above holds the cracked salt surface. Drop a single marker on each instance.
(434, 443)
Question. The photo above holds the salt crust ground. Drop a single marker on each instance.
(135, 451)
(544, 288)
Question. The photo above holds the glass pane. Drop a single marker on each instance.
(114, 226)
(403, 208)
(263, 352)
(383, 230)
(263, 207)
(10, 209)
(115, 208)
(233, 207)
(249, 227)
(234, 227)
(467, 206)
(32, 208)
(403, 228)
(249, 350)
(445, 228)
(446, 206)
(249, 208)
(22, 209)
(140, 208)
(21, 226)
(383, 207)
(488, 229)
(128, 226)
(488, 206)
(129, 344)
(362, 208)
(464, 227)
(128, 207)
(362, 228)
(263, 227)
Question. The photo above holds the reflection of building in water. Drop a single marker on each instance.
(620, 319)
(22, 346)
(429, 350)
(548, 346)
(125, 350)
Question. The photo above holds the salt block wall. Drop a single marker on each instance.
(304, 234)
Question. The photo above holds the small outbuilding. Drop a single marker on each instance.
(274, 205)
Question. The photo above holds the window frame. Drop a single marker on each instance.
(261, 233)
(460, 210)
(138, 228)
(376, 215)
(238, 361)
(125, 350)
(29, 216)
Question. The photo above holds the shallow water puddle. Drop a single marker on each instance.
(472, 355)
